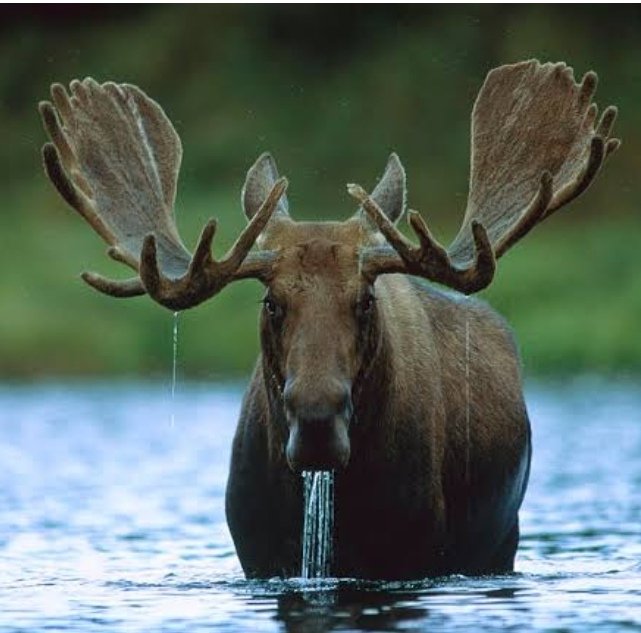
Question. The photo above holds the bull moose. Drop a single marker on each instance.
(410, 393)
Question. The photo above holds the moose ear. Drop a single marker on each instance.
(259, 182)
(390, 192)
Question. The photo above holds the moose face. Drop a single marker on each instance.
(319, 317)
(317, 329)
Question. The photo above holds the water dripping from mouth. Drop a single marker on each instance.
(318, 524)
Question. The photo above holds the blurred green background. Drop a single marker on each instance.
(330, 91)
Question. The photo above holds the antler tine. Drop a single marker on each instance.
(397, 240)
(71, 194)
(604, 128)
(202, 254)
(54, 130)
(123, 289)
(608, 118)
(56, 174)
(121, 257)
(150, 274)
(205, 276)
(601, 147)
(120, 288)
(429, 244)
(532, 215)
(435, 263)
(238, 252)
(587, 88)
(429, 259)
(612, 146)
(54, 154)
(60, 99)
(583, 180)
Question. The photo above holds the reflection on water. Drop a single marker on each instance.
(113, 520)
(348, 606)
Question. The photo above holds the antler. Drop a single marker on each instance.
(114, 157)
(534, 149)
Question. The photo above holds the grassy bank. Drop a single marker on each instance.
(572, 294)
(239, 80)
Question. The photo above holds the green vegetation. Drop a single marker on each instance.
(330, 92)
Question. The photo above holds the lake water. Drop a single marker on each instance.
(112, 519)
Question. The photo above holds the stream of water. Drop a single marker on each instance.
(318, 524)
(174, 370)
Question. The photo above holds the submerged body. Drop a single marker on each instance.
(440, 450)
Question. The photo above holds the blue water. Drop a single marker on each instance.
(112, 519)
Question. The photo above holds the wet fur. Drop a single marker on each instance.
(421, 495)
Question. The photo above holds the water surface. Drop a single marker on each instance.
(112, 519)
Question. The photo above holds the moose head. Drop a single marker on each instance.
(114, 156)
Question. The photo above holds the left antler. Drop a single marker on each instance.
(535, 148)
(114, 158)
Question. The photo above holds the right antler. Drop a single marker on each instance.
(534, 149)
(114, 158)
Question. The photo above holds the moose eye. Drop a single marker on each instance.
(271, 307)
(367, 303)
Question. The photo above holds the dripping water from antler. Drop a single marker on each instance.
(467, 401)
(174, 368)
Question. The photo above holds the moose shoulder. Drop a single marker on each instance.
(439, 446)
(410, 393)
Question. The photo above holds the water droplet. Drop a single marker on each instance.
(174, 367)
(467, 400)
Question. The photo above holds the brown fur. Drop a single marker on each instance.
(421, 495)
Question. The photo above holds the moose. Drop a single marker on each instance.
(411, 393)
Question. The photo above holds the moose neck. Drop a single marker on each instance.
(372, 390)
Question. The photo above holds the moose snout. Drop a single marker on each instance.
(318, 418)
(317, 400)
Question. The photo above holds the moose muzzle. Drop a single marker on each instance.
(318, 426)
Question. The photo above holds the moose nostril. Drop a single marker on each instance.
(318, 446)
(317, 400)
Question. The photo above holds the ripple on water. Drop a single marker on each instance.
(113, 520)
